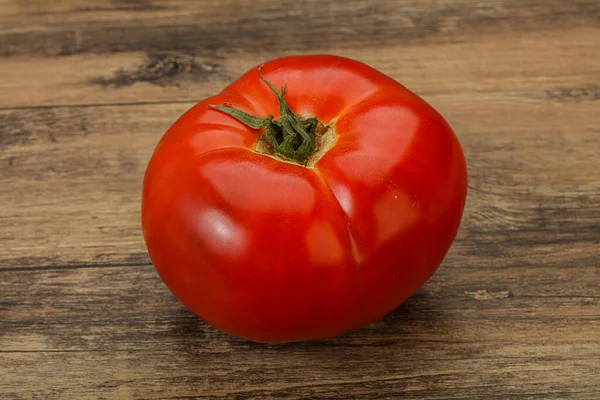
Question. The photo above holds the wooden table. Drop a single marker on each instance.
(87, 89)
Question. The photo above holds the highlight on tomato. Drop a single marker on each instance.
(308, 199)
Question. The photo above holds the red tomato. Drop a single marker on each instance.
(276, 250)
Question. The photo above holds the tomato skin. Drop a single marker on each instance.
(276, 252)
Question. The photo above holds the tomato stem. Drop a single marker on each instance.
(290, 136)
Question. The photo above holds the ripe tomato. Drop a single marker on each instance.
(317, 216)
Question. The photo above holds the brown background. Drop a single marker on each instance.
(87, 89)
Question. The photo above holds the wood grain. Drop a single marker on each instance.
(87, 90)
(447, 336)
(531, 64)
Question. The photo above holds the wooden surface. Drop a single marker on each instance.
(88, 88)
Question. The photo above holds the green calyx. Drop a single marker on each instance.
(291, 136)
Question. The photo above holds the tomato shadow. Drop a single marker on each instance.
(419, 335)
(418, 338)
(421, 315)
